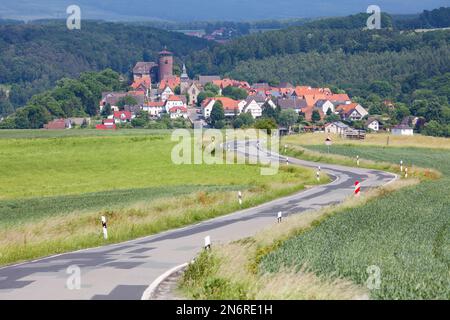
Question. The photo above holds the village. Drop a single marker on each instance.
(156, 92)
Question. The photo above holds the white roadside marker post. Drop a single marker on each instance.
(105, 229)
(406, 173)
(401, 165)
(318, 174)
(240, 198)
(357, 189)
(207, 243)
(287, 161)
(357, 161)
(279, 216)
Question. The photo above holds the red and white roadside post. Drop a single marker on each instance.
(279, 216)
(357, 189)
(105, 229)
(328, 143)
(207, 243)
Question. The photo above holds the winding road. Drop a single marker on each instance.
(125, 270)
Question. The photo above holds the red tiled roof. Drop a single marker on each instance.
(136, 93)
(174, 98)
(171, 82)
(105, 127)
(311, 99)
(56, 124)
(308, 111)
(346, 108)
(145, 82)
(339, 97)
(175, 109)
(155, 104)
(226, 82)
(122, 115)
(305, 90)
(227, 103)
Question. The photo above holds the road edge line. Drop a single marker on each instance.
(155, 284)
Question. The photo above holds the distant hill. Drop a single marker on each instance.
(34, 56)
(231, 10)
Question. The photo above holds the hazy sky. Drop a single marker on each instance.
(207, 9)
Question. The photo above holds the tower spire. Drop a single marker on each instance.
(184, 75)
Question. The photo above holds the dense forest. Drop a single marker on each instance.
(408, 68)
(34, 56)
(394, 63)
(69, 98)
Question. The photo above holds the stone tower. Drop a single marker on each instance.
(165, 64)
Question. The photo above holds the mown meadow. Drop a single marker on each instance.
(55, 185)
(406, 233)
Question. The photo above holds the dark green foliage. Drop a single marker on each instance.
(210, 87)
(266, 124)
(243, 120)
(315, 117)
(35, 56)
(127, 101)
(437, 18)
(269, 112)
(217, 114)
(141, 120)
(203, 95)
(5, 105)
(235, 93)
(69, 98)
(288, 117)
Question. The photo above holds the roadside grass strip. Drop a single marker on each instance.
(401, 229)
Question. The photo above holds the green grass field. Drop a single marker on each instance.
(76, 165)
(405, 233)
(55, 185)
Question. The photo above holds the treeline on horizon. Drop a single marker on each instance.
(369, 64)
(34, 56)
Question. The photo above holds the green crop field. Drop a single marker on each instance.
(406, 234)
(75, 165)
(54, 186)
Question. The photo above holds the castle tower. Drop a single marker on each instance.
(165, 64)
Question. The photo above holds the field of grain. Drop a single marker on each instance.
(54, 188)
(405, 234)
(373, 139)
(401, 230)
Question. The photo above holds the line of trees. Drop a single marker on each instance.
(70, 98)
(34, 56)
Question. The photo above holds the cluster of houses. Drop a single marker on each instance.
(157, 91)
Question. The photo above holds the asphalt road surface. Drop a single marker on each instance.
(125, 270)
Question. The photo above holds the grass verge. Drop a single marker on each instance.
(232, 271)
(401, 228)
(81, 229)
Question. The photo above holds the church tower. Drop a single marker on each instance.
(184, 75)
(184, 80)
